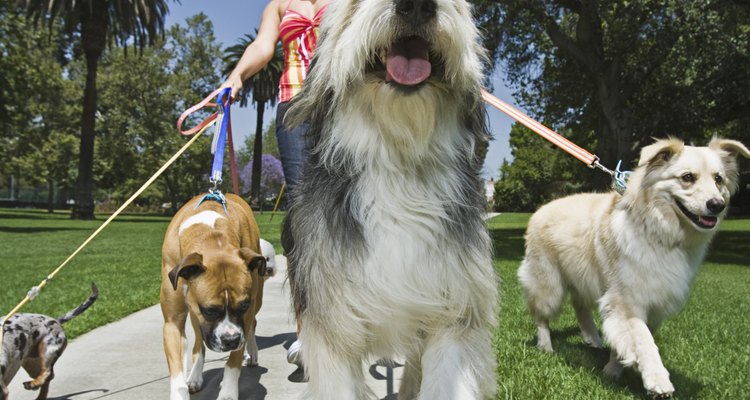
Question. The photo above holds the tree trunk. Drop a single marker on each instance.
(257, 157)
(50, 196)
(93, 40)
(614, 130)
(84, 207)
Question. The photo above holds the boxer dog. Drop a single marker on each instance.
(212, 269)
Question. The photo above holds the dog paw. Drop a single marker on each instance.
(544, 346)
(30, 385)
(251, 360)
(658, 385)
(227, 396)
(613, 369)
(195, 386)
(592, 341)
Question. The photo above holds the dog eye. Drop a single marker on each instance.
(244, 306)
(719, 180)
(211, 312)
(689, 178)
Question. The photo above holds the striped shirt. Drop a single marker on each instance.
(299, 37)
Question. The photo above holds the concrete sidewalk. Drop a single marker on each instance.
(125, 360)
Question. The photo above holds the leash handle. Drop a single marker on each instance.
(203, 103)
(220, 136)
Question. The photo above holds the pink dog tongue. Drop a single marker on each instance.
(707, 221)
(408, 62)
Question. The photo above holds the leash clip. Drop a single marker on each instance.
(620, 178)
(215, 195)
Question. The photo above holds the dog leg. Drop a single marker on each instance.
(195, 378)
(411, 379)
(458, 365)
(634, 344)
(230, 383)
(49, 350)
(251, 350)
(3, 389)
(332, 372)
(586, 322)
(545, 294)
(44, 390)
(174, 339)
(251, 347)
(614, 367)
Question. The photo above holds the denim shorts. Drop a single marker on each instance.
(292, 148)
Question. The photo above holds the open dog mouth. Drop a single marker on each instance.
(701, 221)
(408, 63)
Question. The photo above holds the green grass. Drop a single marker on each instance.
(706, 347)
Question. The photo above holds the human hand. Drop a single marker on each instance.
(234, 82)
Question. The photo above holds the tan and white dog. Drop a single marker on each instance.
(212, 269)
(634, 255)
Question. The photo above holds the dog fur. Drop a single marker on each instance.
(387, 250)
(212, 269)
(35, 342)
(635, 255)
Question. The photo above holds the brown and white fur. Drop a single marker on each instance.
(387, 250)
(634, 255)
(211, 269)
(35, 342)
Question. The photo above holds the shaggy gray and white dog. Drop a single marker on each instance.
(388, 253)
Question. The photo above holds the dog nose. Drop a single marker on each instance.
(416, 11)
(715, 205)
(231, 341)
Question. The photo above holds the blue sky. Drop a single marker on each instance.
(234, 18)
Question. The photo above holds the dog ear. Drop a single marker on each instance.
(190, 267)
(660, 152)
(733, 147)
(253, 260)
(728, 150)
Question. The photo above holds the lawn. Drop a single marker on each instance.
(706, 347)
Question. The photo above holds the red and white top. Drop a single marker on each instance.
(299, 37)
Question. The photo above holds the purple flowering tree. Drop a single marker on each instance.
(271, 180)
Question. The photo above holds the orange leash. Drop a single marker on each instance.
(547, 133)
(619, 178)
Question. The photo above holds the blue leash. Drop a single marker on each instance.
(217, 149)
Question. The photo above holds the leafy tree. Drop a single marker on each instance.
(98, 22)
(270, 145)
(140, 103)
(626, 70)
(540, 172)
(270, 182)
(36, 114)
(264, 86)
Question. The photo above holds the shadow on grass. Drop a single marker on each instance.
(579, 356)
(730, 247)
(508, 243)
(39, 229)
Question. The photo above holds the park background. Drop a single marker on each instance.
(609, 75)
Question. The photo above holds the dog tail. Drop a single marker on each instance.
(80, 309)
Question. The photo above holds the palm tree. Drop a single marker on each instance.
(264, 87)
(98, 22)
